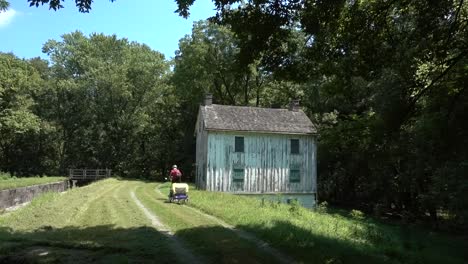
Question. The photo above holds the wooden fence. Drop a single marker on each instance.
(89, 174)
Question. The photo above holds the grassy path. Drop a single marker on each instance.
(119, 221)
(116, 221)
(176, 245)
(205, 235)
(262, 245)
(98, 223)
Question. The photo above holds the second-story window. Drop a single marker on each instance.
(239, 144)
(294, 146)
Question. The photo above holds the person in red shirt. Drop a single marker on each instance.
(175, 174)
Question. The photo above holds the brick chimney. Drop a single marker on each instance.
(208, 99)
(294, 105)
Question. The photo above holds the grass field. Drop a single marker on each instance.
(313, 237)
(11, 183)
(98, 222)
(102, 223)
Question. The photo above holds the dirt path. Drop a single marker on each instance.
(262, 245)
(176, 245)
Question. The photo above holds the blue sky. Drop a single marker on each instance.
(24, 29)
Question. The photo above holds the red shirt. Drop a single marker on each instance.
(175, 173)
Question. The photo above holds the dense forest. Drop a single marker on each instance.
(384, 81)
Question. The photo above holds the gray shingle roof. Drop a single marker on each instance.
(243, 118)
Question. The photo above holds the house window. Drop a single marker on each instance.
(238, 175)
(239, 144)
(294, 146)
(294, 175)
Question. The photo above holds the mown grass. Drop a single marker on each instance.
(101, 223)
(321, 237)
(13, 182)
(202, 235)
(98, 223)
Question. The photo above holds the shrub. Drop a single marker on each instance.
(5, 175)
(322, 207)
(295, 207)
(356, 214)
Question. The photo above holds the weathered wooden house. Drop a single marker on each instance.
(259, 151)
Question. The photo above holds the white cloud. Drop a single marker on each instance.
(6, 17)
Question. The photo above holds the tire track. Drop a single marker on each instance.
(175, 244)
(262, 245)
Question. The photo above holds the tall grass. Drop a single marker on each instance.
(320, 236)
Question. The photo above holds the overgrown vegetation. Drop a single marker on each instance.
(324, 236)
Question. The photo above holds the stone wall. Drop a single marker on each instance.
(13, 197)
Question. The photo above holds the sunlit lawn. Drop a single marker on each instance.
(11, 183)
(102, 223)
(322, 237)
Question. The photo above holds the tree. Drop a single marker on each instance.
(383, 79)
(103, 92)
(209, 56)
(83, 6)
(207, 62)
(4, 5)
(19, 83)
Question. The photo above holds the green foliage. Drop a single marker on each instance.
(207, 62)
(322, 207)
(83, 6)
(4, 5)
(5, 176)
(356, 214)
(20, 84)
(384, 81)
(103, 102)
(295, 207)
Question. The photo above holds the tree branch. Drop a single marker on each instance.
(416, 98)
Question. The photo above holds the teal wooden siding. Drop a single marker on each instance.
(201, 153)
(267, 162)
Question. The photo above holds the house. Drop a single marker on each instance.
(257, 151)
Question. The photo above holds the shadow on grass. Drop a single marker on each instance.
(308, 247)
(99, 244)
(222, 245)
(108, 244)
